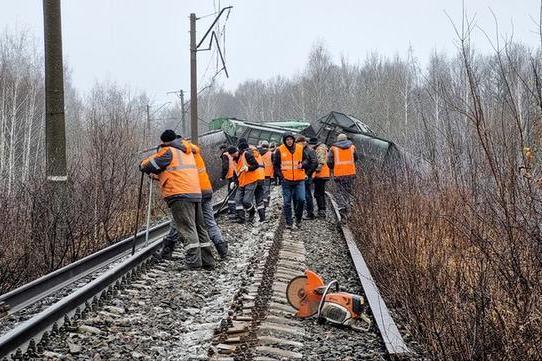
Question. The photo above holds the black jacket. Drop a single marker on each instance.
(225, 166)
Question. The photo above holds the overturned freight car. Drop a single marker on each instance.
(375, 151)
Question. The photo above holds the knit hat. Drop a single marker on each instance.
(232, 150)
(313, 141)
(342, 137)
(300, 139)
(168, 136)
(242, 146)
(241, 140)
(272, 145)
(264, 144)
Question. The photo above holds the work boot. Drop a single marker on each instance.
(288, 226)
(310, 216)
(251, 214)
(222, 249)
(322, 213)
(298, 223)
(240, 216)
(261, 213)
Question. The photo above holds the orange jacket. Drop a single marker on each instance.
(268, 164)
(204, 181)
(290, 164)
(344, 161)
(177, 172)
(244, 176)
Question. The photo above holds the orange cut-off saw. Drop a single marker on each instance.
(310, 296)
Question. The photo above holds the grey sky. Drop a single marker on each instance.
(144, 43)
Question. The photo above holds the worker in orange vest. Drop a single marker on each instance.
(228, 174)
(320, 176)
(175, 166)
(268, 169)
(250, 174)
(290, 162)
(342, 159)
(207, 205)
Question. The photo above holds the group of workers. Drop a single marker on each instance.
(297, 165)
(302, 168)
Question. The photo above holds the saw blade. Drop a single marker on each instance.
(295, 291)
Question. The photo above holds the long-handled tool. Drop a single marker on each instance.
(149, 206)
(310, 296)
(137, 212)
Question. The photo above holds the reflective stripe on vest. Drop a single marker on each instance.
(344, 164)
(260, 172)
(268, 164)
(324, 173)
(180, 178)
(289, 163)
(231, 166)
(245, 176)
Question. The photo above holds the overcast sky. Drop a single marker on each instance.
(144, 44)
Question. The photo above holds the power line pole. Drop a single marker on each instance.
(183, 120)
(194, 68)
(193, 81)
(55, 128)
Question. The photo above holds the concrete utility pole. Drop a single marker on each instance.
(55, 129)
(193, 81)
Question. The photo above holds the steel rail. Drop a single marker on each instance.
(40, 288)
(36, 326)
(20, 337)
(393, 340)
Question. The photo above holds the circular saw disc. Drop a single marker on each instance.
(295, 291)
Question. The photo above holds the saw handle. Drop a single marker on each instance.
(326, 291)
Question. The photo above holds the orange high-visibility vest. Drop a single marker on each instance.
(180, 178)
(260, 172)
(324, 173)
(268, 164)
(289, 163)
(204, 181)
(344, 164)
(231, 165)
(245, 176)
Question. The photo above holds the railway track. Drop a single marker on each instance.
(146, 310)
(260, 324)
(30, 312)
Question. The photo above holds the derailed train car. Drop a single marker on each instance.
(376, 152)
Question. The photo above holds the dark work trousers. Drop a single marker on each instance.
(266, 191)
(344, 192)
(320, 193)
(244, 201)
(259, 198)
(293, 192)
(209, 216)
(246, 197)
(309, 204)
(190, 224)
(231, 201)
